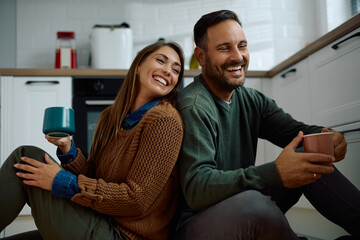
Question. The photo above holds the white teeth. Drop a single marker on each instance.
(234, 68)
(160, 80)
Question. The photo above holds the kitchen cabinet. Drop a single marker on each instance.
(324, 89)
(23, 101)
(350, 165)
(290, 90)
(335, 82)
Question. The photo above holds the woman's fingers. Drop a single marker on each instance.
(37, 173)
(32, 162)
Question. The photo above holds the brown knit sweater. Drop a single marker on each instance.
(135, 180)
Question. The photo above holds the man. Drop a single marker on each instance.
(226, 196)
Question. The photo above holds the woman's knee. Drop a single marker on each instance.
(30, 151)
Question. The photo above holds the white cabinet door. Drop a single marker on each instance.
(31, 97)
(350, 165)
(23, 101)
(291, 91)
(335, 85)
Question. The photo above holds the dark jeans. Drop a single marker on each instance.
(55, 218)
(260, 215)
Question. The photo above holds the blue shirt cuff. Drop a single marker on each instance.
(69, 156)
(65, 185)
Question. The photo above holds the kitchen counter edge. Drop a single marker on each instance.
(92, 72)
(323, 41)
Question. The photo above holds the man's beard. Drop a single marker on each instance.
(217, 75)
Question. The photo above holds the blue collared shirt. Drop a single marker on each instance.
(65, 183)
(69, 156)
(133, 118)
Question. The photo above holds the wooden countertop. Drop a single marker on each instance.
(328, 38)
(91, 72)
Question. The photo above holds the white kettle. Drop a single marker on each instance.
(111, 46)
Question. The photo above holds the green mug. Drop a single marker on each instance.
(59, 122)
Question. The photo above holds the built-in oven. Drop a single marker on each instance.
(91, 95)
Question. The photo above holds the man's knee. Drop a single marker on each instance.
(255, 207)
(247, 215)
(263, 217)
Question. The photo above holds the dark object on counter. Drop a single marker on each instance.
(122, 25)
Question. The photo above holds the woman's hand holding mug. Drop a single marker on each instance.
(64, 143)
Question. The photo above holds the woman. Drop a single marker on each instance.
(128, 187)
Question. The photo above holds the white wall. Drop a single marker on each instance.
(7, 33)
(337, 11)
(275, 28)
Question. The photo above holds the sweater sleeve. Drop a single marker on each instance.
(155, 158)
(276, 125)
(202, 182)
(80, 165)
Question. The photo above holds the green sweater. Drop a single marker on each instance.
(218, 153)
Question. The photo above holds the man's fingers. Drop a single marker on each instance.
(296, 141)
(319, 158)
(314, 176)
(325, 130)
(319, 168)
(340, 150)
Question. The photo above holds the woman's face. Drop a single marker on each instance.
(158, 74)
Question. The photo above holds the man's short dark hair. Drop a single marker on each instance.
(208, 20)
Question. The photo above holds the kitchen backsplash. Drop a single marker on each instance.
(275, 29)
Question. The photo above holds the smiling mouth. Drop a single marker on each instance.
(234, 68)
(161, 80)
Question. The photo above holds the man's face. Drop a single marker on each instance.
(227, 57)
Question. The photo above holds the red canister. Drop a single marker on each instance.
(65, 50)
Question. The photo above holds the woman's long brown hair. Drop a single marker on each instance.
(110, 120)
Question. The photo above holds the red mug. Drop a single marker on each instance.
(319, 143)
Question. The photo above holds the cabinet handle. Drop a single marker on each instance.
(41, 82)
(336, 45)
(98, 102)
(286, 73)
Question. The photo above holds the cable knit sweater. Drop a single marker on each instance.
(135, 181)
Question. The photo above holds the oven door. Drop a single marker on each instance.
(87, 112)
(91, 95)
